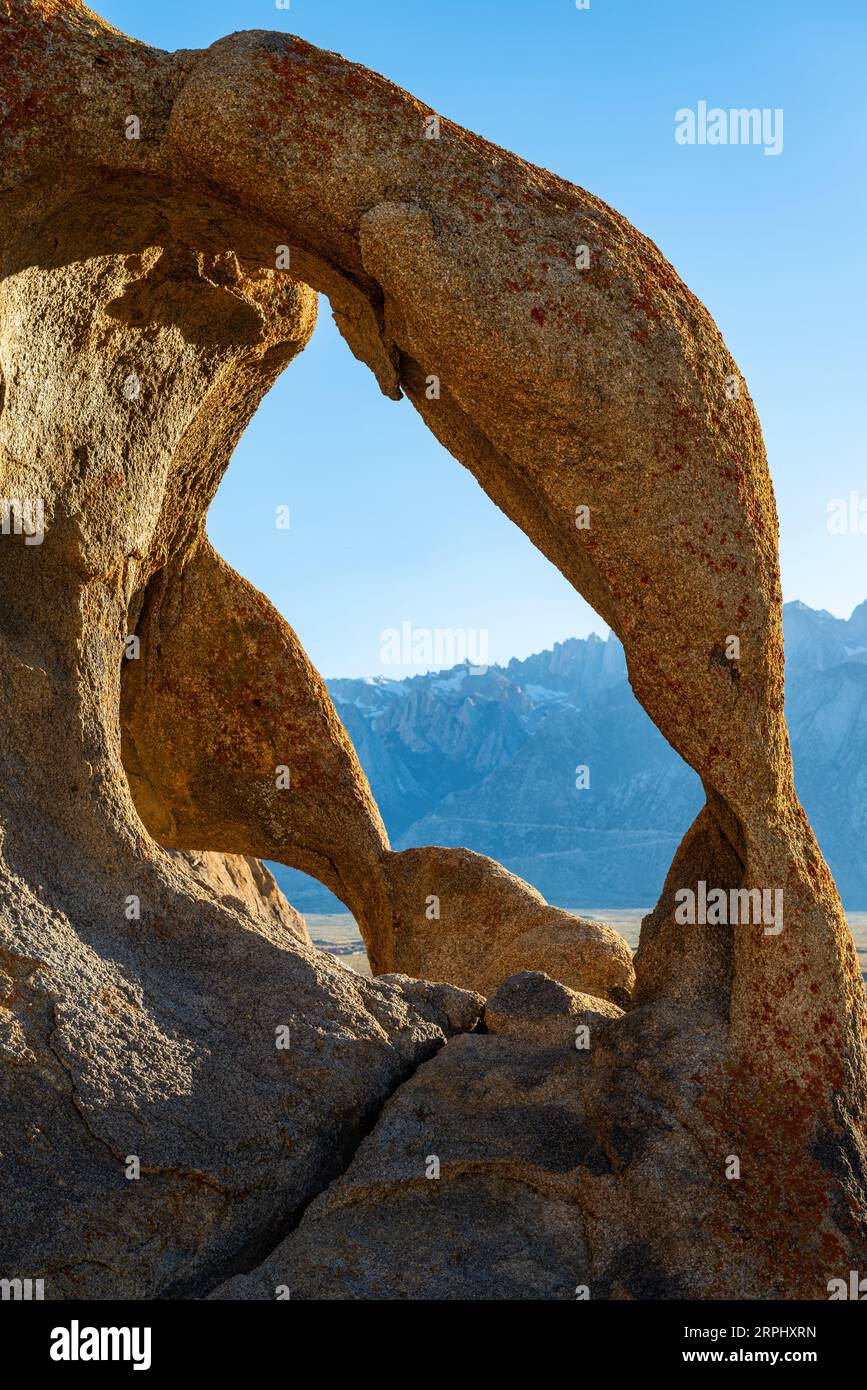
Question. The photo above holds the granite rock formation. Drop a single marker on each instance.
(166, 219)
(245, 885)
(461, 917)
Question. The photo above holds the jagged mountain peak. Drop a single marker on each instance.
(489, 762)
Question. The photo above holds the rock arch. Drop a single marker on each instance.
(607, 387)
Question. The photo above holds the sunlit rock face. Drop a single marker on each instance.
(183, 1072)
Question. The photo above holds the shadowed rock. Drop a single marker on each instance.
(533, 1007)
(244, 884)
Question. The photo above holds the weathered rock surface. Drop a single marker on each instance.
(515, 1166)
(459, 916)
(221, 700)
(142, 316)
(157, 1041)
(532, 1007)
(141, 993)
(561, 1173)
(245, 885)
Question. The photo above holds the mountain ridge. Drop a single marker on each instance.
(489, 761)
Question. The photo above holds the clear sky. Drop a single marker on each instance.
(385, 526)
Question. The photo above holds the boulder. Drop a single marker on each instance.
(533, 1008)
(462, 917)
(514, 1165)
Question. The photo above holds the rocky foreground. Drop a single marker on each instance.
(195, 1102)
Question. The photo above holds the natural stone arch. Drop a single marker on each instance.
(560, 387)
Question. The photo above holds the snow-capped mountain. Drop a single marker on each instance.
(489, 761)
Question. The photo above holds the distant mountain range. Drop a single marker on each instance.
(489, 762)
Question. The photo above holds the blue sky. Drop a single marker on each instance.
(385, 526)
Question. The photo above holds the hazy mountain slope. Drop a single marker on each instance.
(828, 718)
(610, 838)
(490, 762)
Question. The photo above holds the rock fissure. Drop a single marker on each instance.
(260, 1247)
